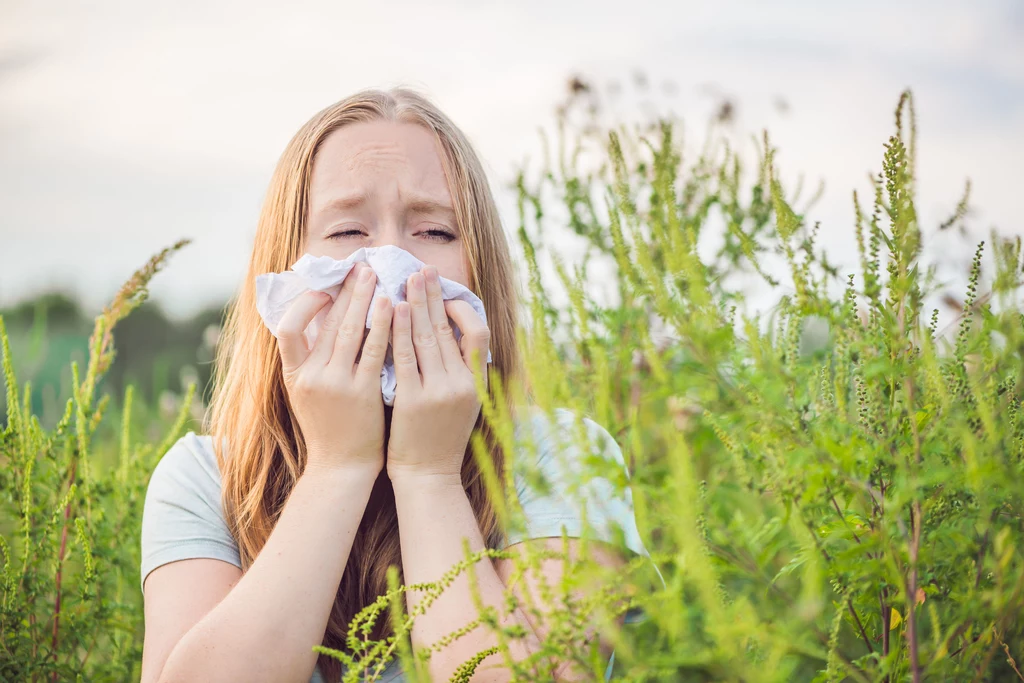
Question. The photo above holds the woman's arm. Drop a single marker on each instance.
(264, 627)
(433, 517)
(436, 407)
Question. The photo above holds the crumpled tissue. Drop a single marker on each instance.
(393, 265)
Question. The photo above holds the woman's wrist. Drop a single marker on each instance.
(330, 468)
(423, 480)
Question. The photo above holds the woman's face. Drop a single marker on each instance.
(378, 183)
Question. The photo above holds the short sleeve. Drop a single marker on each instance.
(182, 517)
(561, 489)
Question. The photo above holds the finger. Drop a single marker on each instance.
(353, 325)
(290, 337)
(476, 337)
(371, 360)
(428, 354)
(406, 369)
(323, 349)
(450, 353)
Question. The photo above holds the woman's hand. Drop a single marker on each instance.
(337, 401)
(436, 403)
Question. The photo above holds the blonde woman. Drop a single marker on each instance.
(268, 534)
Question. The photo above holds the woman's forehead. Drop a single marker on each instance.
(357, 146)
(361, 157)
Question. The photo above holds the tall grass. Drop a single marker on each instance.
(849, 509)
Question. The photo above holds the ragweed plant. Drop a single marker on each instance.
(850, 512)
(848, 509)
(70, 607)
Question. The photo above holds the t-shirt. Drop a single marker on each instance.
(183, 517)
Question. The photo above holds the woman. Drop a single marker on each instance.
(258, 549)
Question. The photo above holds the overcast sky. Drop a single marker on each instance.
(125, 125)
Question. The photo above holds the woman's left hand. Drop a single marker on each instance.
(436, 403)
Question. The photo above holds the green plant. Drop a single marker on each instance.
(846, 507)
(69, 604)
(851, 512)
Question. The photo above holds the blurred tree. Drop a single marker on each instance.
(155, 353)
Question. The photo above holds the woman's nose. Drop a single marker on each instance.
(390, 235)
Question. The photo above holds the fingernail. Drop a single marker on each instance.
(403, 309)
(417, 281)
(432, 274)
(364, 275)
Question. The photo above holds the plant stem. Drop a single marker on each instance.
(60, 571)
(860, 627)
(885, 626)
(832, 497)
(915, 544)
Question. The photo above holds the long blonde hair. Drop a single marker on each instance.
(250, 413)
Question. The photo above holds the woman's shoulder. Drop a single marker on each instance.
(564, 451)
(532, 421)
(182, 517)
(191, 458)
(563, 435)
(187, 480)
(570, 472)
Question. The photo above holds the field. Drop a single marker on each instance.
(832, 486)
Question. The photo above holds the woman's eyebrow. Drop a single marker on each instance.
(349, 201)
(422, 204)
(419, 204)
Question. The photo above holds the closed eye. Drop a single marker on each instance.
(441, 235)
(434, 234)
(344, 233)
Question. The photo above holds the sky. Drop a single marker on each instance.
(127, 125)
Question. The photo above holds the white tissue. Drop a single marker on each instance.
(393, 266)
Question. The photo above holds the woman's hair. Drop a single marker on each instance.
(260, 447)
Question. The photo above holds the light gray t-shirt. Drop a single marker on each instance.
(183, 517)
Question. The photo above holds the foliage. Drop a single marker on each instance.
(851, 512)
(70, 605)
(846, 509)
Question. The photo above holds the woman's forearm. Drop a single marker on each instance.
(266, 626)
(433, 518)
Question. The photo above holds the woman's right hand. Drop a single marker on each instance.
(337, 401)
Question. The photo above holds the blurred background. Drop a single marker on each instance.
(125, 126)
